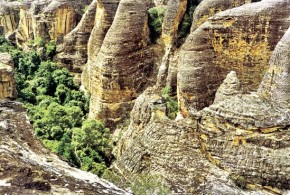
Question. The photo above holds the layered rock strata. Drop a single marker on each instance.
(240, 142)
(49, 20)
(208, 8)
(172, 19)
(221, 45)
(7, 82)
(28, 168)
(121, 69)
(105, 15)
(73, 52)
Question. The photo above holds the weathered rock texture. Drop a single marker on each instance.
(275, 85)
(9, 16)
(105, 14)
(208, 8)
(50, 20)
(172, 19)
(7, 82)
(120, 70)
(241, 141)
(73, 52)
(205, 154)
(231, 86)
(240, 39)
(28, 168)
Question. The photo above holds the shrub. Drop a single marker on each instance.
(155, 20)
(171, 103)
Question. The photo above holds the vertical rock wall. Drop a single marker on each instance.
(240, 39)
(9, 17)
(120, 71)
(73, 52)
(104, 17)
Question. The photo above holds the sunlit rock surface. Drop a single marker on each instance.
(240, 39)
(7, 82)
(28, 168)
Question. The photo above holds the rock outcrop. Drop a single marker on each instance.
(275, 85)
(238, 145)
(72, 53)
(121, 69)
(9, 16)
(48, 19)
(7, 82)
(230, 87)
(105, 15)
(240, 39)
(28, 168)
(208, 8)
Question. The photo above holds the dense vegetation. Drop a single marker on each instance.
(57, 109)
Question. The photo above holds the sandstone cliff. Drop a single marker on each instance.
(28, 168)
(72, 53)
(120, 70)
(7, 82)
(9, 16)
(48, 19)
(105, 14)
(241, 141)
(221, 45)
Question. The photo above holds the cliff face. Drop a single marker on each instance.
(7, 82)
(232, 133)
(9, 17)
(50, 20)
(221, 45)
(208, 8)
(241, 140)
(120, 70)
(28, 168)
(105, 14)
(72, 53)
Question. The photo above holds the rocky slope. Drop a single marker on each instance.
(26, 167)
(231, 75)
(241, 140)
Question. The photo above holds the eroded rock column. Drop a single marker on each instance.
(120, 71)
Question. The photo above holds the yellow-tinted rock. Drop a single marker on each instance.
(7, 82)
(240, 39)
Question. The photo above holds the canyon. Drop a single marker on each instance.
(228, 70)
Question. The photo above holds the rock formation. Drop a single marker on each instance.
(240, 142)
(7, 82)
(105, 14)
(120, 70)
(208, 8)
(9, 16)
(221, 45)
(72, 53)
(275, 85)
(48, 19)
(231, 86)
(28, 168)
